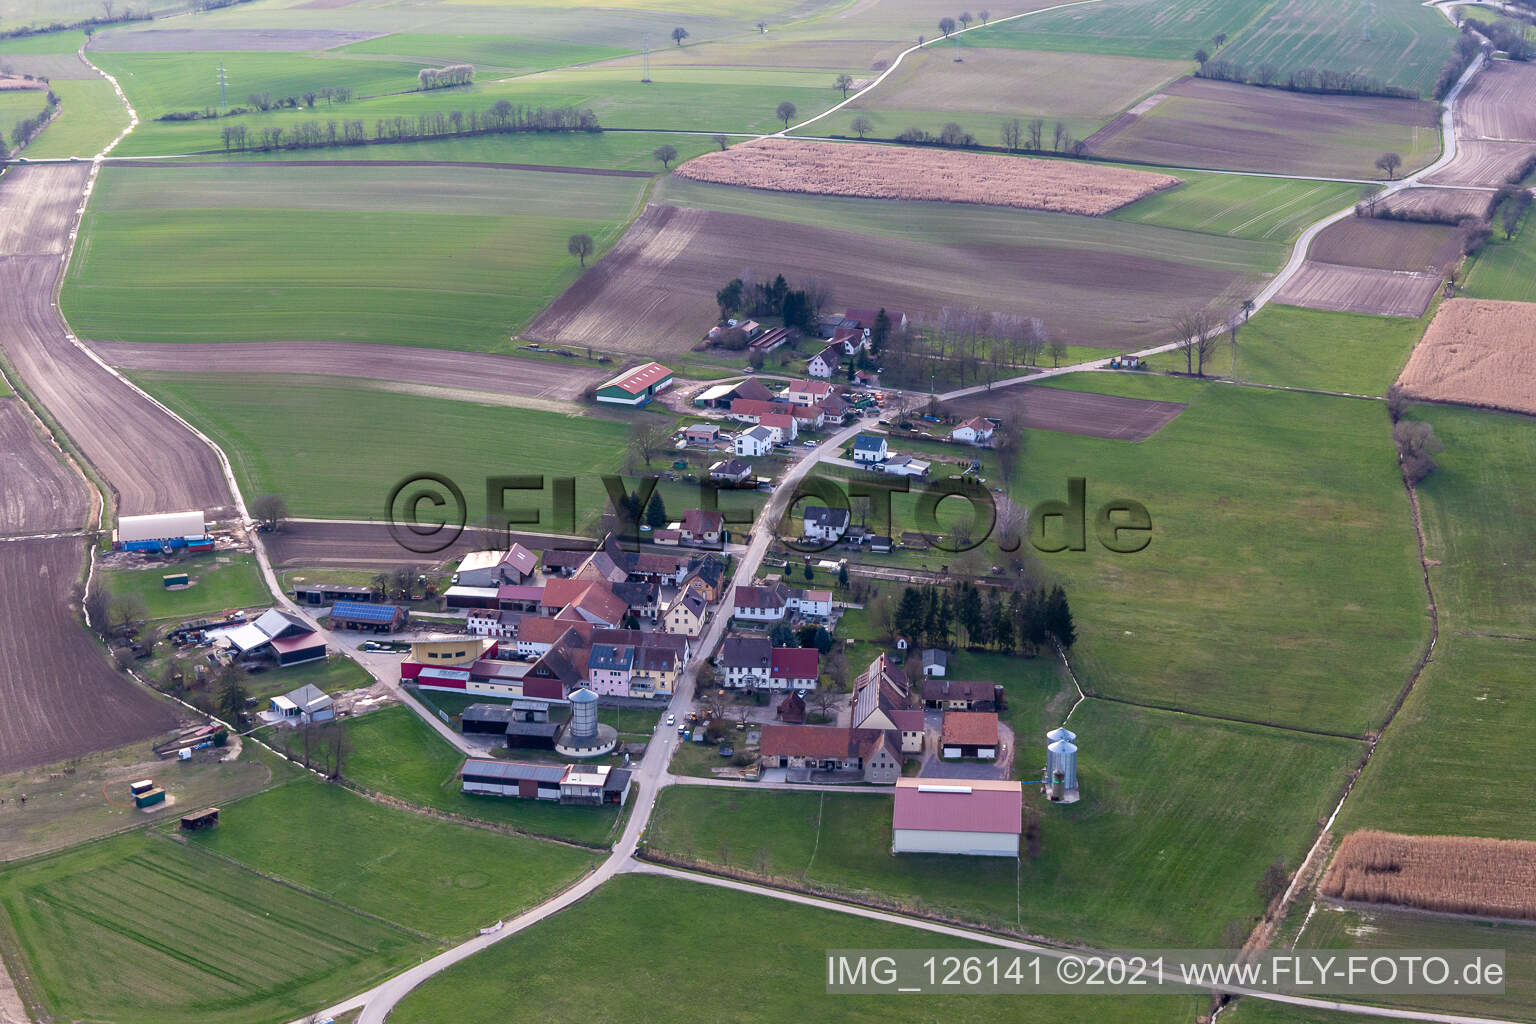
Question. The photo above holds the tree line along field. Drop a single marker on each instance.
(698, 921)
(1137, 28)
(1317, 555)
(1179, 818)
(355, 890)
(443, 257)
(336, 450)
(90, 117)
(1400, 42)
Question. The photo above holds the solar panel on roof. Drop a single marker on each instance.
(359, 612)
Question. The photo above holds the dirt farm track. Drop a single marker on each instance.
(59, 697)
(151, 461)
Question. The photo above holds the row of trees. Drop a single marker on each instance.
(1029, 619)
(27, 128)
(1416, 442)
(1511, 37)
(1029, 136)
(966, 346)
(264, 102)
(1317, 80)
(1465, 52)
(445, 77)
(964, 18)
(502, 117)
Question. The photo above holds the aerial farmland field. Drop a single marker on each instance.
(1137, 28)
(1400, 42)
(1506, 269)
(1094, 880)
(991, 85)
(438, 257)
(1223, 125)
(1226, 566)
(1476, 352)
(699, 921)
(1265, 209)
(920, 257)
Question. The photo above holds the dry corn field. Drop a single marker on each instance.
(895, 172)
(1449, 874)
(1477, 352)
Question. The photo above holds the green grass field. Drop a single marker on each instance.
(1505, 270)
(684, 923)
(1266, 209)
(1136, 28)
(1179, 818)
(333, 675)
(395, 753)
(321, 445)
(17, 105)
(173, 933)
(219, 582)
(1469, 706)
(90, 117)
(1310, 348)
(48, 42)
(1333, 928)
(155, 916)
(439, 879)
(732, 99)
(1405, 46)
(437, 257)
(1314, 552)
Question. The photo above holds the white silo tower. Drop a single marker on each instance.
(1060, 777)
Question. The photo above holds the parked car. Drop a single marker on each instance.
(808, 444)
(671, 719)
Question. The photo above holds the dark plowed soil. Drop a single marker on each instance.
(59, 697)
(38, 492)
(1074, 412)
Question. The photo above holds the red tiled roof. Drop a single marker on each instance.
(906, 719)
(819, 388)
(796, 663)
(781, 420)
(519, 592)
(957, 805)
(970, 729)
(637, 380)
(698, 520)
(956, 689)
(976, 423)
(548, 631)
(603, 603)
(521, 559)
(754, 407)
(805, 741)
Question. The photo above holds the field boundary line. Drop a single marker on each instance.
(821, 810)
(1234, 720)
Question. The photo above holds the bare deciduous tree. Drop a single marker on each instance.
(946, 25)
(785, 112)
(843, 82)
(861, 126)
(721, 140)
(1417, 447)
(581, 247)
(679, 34)
(1388, 163)
(269, 510)
(648, 438)
(665, 154)
(1013, 134)
(1197, 337)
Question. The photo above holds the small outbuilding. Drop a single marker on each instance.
(376, 618)
(969, 734)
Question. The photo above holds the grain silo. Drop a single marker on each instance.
(583, 735)
(1059, 780)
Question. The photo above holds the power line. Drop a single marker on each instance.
(223, 102)
(645, 44)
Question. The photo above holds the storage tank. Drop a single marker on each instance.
(1061, 756)
(583, 716)
(1063, 733)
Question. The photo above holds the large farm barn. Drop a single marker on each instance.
(394, 387)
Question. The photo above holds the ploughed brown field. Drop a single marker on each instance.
(1359, 290)
(1500, 103)
(1489, 164)
(1387, 244)
(895, 172)
(654, 292)
(38, 492)
(1477, 352)
(1449, 874)
(60, 698)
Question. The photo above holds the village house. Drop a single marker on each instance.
(609, 668)
(871, 754)
(751, 410)
(745, 662)
(851, 340)
(768, 603)
(825, 363)
(906, 465)
(807, 392)
(834, 410)
(783, 427)
(866, 318)
(822, 523)
(757, 441)
(807, 417)
(882, 699)
(706, 577)
(303, 706)
(702, 526)
(686, 614)
(795, 668)
(493, 568)
(870, 448)
(493, 622)
(734, 472)
(975, 430)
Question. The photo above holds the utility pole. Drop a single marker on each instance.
(223, 104)
(645, 44)
(958, 58)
